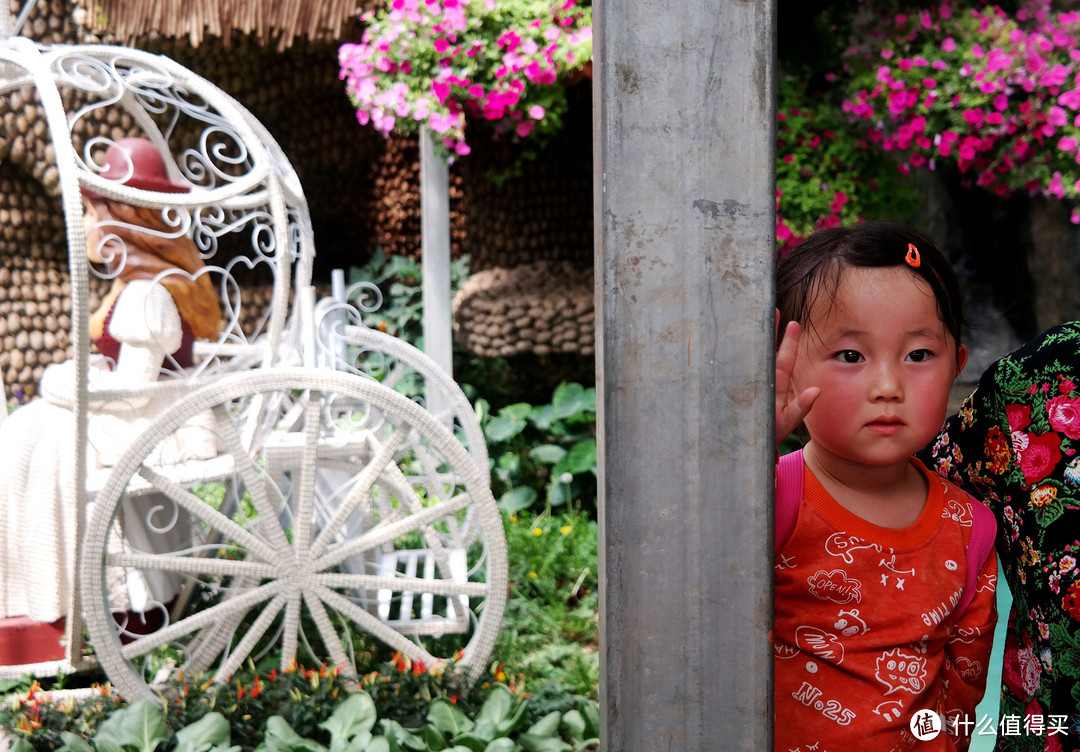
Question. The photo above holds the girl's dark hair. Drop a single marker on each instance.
(815, 266)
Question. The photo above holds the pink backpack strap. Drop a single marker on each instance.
(789, 492)
(980, 548)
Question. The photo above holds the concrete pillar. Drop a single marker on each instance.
(684, 123)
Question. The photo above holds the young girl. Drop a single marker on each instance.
(872, 626)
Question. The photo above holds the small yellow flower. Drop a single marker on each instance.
(532, 575)
(537, 531)
(565, 529)
(513, 518)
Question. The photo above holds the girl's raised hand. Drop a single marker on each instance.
(790, 408)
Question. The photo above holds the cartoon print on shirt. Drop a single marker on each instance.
(849, 623)
(835, 586)
(958, 511)
(817, 641)
(890, 564)
(966, 635)
(783, 651)
(967, 668)
(890, 710)
(839, 544)
(786, 562)
(900, 670)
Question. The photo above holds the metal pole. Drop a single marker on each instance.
(684, 134)
(435, 263)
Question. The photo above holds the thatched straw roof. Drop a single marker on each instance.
(280, 20)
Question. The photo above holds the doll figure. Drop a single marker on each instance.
(159, 302)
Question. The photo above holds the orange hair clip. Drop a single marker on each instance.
(913, 258)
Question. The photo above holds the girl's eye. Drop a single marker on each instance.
(918, 356)
(849, 356)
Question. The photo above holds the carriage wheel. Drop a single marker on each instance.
(335, 506)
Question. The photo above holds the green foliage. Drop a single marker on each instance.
(550, 628)
(351, 723)
(546, 452)
(398, 278)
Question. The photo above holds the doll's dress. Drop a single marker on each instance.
(37, 471)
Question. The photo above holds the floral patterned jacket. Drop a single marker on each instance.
(1014, 444)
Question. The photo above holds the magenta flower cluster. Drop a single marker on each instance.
(995, 94)
(827, 174)
(440, 63)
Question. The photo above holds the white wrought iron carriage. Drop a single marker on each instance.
(272, 494)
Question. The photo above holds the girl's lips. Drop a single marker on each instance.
(886, 425)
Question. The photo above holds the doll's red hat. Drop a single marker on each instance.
(136, 162)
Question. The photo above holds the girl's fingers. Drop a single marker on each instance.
(790, 411)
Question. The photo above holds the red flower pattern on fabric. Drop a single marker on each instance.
(1019, 417)
(1040, 456)
(1064, 413)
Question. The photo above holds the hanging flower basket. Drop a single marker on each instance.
(438, 64)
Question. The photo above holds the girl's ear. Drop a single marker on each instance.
(961, 359)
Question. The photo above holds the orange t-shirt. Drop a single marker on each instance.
(865, 634)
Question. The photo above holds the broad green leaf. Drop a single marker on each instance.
(590, 711)
(503, 427)
(448, 718)
(378, 744)
(516, 499)
(518, 410)
(548, 725)
(574, 725)
(209, 731)
(140, 725)
(558, 493)
(72, 743)
(500, 714)
(357, 743)
(280, 737)
(588, 400)
(482, 408)
(583, 456)
(542, 417)
(534, 743)
(355, 715)
(400, 739)
(502, 745)
(470, 742)
(568, 399)
(547, 453)
(509, 461)
(434, 740)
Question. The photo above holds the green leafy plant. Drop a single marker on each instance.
(551, 624)
(398, 279)
(547, 450)
(352, 724)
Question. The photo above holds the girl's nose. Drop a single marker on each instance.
(887, 384)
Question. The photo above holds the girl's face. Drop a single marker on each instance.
(884, 362)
